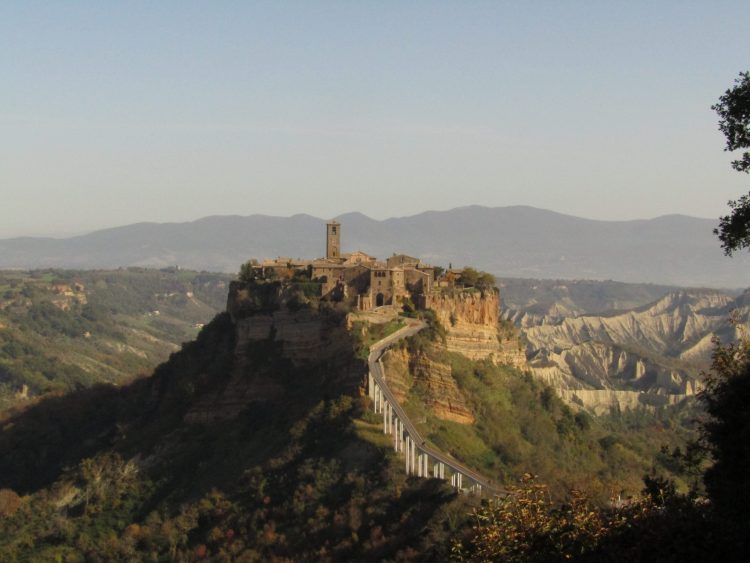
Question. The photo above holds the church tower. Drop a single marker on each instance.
(333, 240)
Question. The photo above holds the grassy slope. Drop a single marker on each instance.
(524, 427)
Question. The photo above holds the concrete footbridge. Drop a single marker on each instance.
(420, 459)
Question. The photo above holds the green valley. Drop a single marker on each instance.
(62, 330)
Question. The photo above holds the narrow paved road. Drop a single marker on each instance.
(376, 369)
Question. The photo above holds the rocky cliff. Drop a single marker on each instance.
(646, 356)
(473, 327)
(279, 335)
(431, 379)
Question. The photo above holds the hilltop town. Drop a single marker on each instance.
(364, 281)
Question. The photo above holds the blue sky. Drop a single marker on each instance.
(113, 113)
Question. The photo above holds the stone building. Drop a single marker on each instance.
(363, 279)
(333, 240)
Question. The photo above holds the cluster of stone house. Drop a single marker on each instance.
(359, 277)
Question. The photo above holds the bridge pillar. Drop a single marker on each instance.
(401, 436)
(385, 418)
(396, 434)
(459, 480)
(406, 456)
(414, 460)
(413, 455)
(370, 387)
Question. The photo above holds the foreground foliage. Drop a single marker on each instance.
(659, 525)
(734, 122)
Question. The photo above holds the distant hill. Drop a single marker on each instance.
(548, 301)
(508, 241)
(65, 330)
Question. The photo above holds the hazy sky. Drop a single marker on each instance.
(118, 112)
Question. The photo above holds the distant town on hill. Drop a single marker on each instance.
(506, 241)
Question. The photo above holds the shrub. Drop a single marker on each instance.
(9, 502)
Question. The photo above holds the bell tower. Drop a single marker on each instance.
(333, 240)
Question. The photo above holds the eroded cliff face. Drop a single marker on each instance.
(473, 327)
(432, 380)
(648, 356)
(602, 401)
(279, 336)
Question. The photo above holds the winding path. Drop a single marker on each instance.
(420, 459)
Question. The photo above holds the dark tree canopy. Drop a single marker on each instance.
(727, 432)
(475, 278)
(734, 110)
(734, 121)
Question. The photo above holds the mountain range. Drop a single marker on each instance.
(513, 241)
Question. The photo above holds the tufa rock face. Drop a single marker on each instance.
(279, 336)
(397, 374)
(303, 335)
(305, 330)
(434, 381)
(472, 323)
(443, 395)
